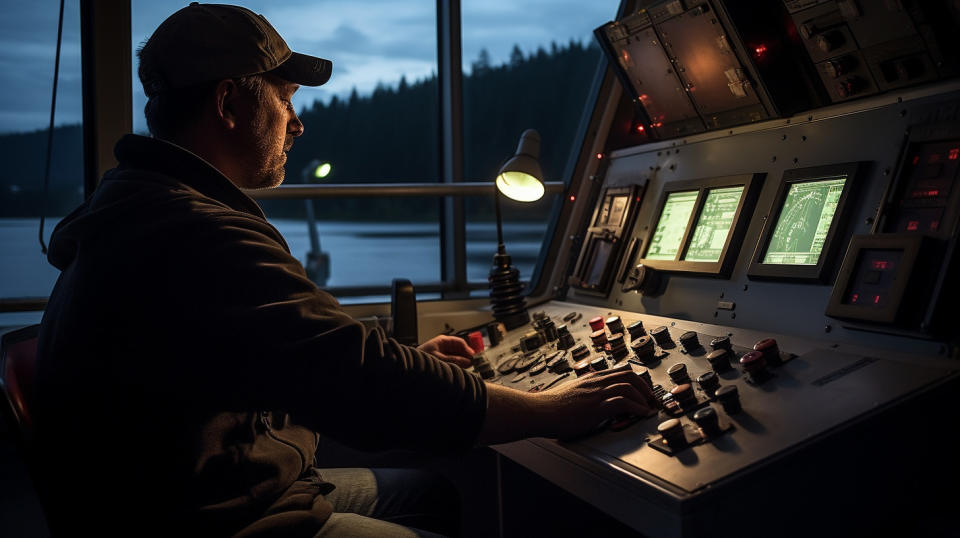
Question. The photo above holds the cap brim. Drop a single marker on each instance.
(305, 70)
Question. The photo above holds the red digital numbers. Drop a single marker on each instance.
(880, 264)
(855, 298)
(953, 154)
(913, 225)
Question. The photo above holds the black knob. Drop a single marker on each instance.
(684, 395)
(689, 341)
(598, 364)
(770, 350)
(579, 353)
(549, 329)
(709, 382)
(615, 325)
(643, 349)
(662, 336)
(636, 330)
(719, 360)
(678, 373)
(618, 348)
(582, 368)
(722, 342)
(672, 432)
(564, 338)
(599, 339)
(708, 421)
(530, 341)
(645, 376)
(729, 398)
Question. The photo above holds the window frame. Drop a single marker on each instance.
(106, 32)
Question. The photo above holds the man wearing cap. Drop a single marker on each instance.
(187, 365)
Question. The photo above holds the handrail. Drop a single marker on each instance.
(341, 190)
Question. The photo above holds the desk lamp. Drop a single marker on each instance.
(519, 179)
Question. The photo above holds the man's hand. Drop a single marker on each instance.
(448, 349)
(568, 410)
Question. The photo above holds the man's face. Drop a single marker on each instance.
(269, 134)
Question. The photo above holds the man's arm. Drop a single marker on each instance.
(568, 410)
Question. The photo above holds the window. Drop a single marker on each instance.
(375, 121)
(29, 31)
(527, 64)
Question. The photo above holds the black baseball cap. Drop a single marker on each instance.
(208, 42)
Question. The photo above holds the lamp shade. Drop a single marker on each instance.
(520, 177)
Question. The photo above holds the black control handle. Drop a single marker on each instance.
(403, 310)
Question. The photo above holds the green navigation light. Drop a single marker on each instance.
(322, 170)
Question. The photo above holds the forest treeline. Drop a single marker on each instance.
(390, 135)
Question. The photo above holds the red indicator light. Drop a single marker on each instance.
(929, 193)
(934, 224)
(855, 298)
(954, 154)
(876, 299)
(658, 124)
(638, 199)
(880, 264)
(573, 198)
(759, 50)
(599, 155)
(916, 159)
(639, 128)
(913, 225)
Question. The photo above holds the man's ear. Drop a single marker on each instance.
(225, 103)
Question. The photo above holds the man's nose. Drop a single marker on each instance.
(295, 127)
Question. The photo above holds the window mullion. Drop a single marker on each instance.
(450, 74)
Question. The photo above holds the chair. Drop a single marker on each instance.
(18, 363)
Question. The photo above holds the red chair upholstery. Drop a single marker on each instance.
(18, 362)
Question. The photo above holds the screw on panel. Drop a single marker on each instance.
(773, 159)
(745, 287)
(827, 328)
(715, 313)
(868, 220)
(809, 118)
(903, 112)
(783, 137)
(721, 295)
(673, 167)
(733, 315)
(803, 138)
(886, 171)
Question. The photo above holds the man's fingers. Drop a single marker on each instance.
(618, 405)
(625, 374)
(463, 362)
(626, 390)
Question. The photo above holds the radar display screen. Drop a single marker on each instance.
(672, 225)
(713, 224)
(804, 222)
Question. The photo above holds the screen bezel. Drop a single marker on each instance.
(751, 184)
(828, 254)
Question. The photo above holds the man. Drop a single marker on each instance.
(187, 365)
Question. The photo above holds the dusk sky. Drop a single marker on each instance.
(369, 42)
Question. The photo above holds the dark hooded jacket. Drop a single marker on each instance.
(187, 364)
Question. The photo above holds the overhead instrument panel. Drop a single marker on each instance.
(699, 225)
(803, 229)
(600, 259)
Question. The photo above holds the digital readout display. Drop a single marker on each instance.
(804, 222)
(672, 225)
(713, 224)
(873, 277)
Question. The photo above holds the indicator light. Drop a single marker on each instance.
(573, 198)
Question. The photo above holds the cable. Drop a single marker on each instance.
(53, 109)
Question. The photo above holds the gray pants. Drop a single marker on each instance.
(375, 503)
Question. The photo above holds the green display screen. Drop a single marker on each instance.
(671, 225)
(713, 224)
(804, 222)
